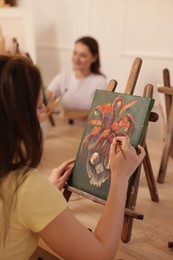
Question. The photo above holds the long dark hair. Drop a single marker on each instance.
(21, 139)
(93, 46)
(20, 132)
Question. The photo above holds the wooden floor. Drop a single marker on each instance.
(149, 236)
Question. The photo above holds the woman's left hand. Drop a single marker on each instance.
(60, 175)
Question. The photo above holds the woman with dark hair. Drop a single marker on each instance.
(31, 205)
(77, 88)
(92, 44)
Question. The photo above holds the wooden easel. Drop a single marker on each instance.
(42, 254)
(130, 212)
(167, 90)
(50, 107)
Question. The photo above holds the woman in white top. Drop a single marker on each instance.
(77, 88)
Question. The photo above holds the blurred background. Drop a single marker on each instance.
(125, 29)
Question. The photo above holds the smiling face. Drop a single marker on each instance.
(82, 58)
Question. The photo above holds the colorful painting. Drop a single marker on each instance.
(111, 114)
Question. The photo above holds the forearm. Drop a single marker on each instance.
(71, 234)
(108, 229)
(49, 94)
(103, 242)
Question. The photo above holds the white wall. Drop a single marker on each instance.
(125, 29)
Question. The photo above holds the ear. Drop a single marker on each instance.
(94, 58)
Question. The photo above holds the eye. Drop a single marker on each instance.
(74, 53)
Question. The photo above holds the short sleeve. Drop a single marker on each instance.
(39, 202)
(102, 83)
(56, 85)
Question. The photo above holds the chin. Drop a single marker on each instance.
(77, 68)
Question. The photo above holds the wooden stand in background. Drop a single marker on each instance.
(50, 105)
(167, 90)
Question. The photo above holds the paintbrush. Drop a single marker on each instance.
(120, 147)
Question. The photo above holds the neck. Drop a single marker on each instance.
(81, 74)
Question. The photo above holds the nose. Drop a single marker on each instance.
(76, 57)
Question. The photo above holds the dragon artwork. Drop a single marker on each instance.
(106, 122)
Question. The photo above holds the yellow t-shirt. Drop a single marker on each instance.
(38, 203)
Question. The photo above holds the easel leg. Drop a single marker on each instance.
(127, 229)
(150, 176)
(131, 203)
(51, 120)
(71, 121)
(167, 147)
(67, 194)
(171, 148)
(164, 161)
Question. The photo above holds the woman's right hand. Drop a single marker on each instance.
(65, 231)
(124, 164)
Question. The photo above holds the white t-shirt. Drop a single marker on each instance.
(76, 93)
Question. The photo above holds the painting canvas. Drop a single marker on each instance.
(111, 114)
